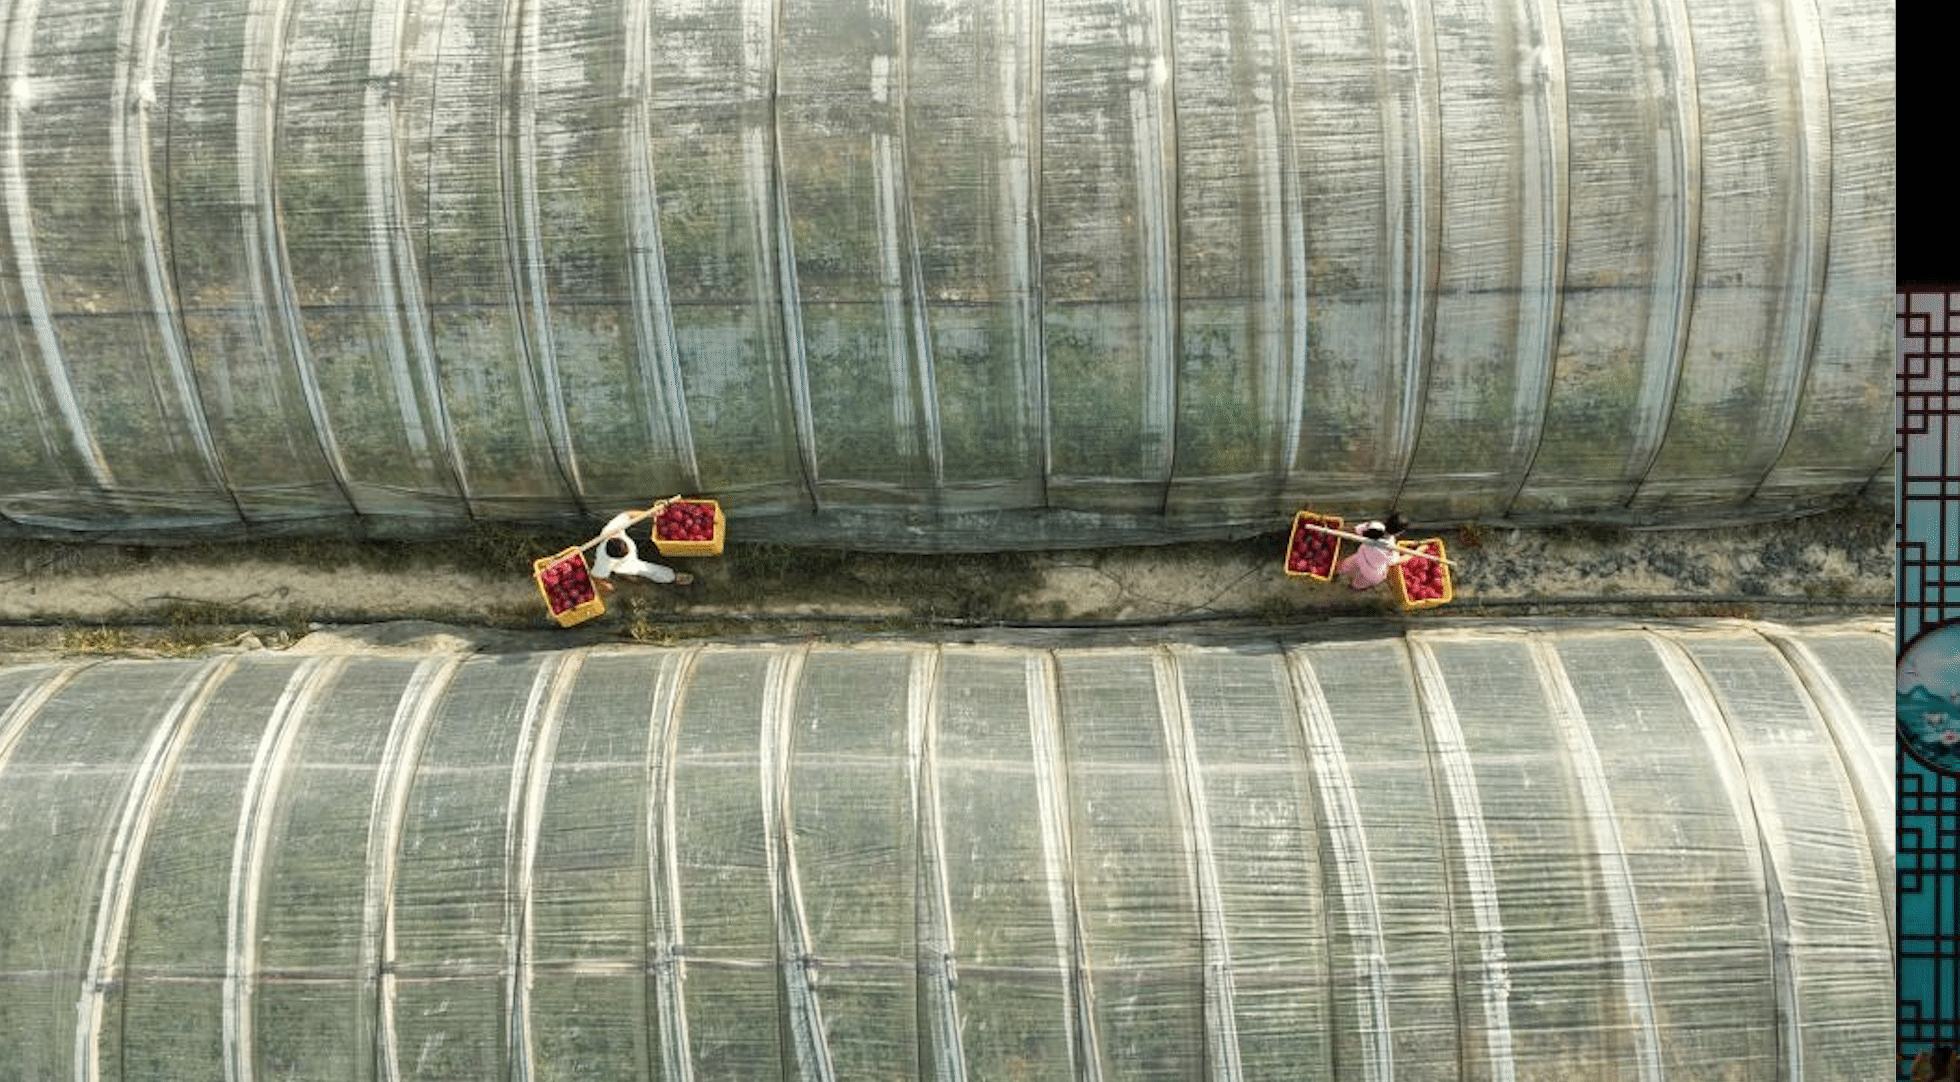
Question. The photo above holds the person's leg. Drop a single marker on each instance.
(652, 572)
(1366, 574)
(1345, 569)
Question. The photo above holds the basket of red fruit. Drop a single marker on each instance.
(1311, 554)
(566, 584)
(689, 528)
(1424, 584)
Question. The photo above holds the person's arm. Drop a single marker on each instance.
(632, 518)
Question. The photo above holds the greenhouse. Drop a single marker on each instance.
(1551, 850)
(942, 281)
(940, 276)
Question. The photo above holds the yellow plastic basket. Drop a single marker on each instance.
(580, 580)
(1433, 546)
(676, 547)
(1300, 521)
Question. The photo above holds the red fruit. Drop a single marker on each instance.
(1309, 551)
(685, 521)
(1422, 579)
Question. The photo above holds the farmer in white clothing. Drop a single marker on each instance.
(618, 555)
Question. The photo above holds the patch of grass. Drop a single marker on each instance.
(484, 548)
(114, 640)
(1276, 609)
(489, 546)
(641, 629)
(95, 640)
(188, 615)
(1601, 535)
(1835, 586)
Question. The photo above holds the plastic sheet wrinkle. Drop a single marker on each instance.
(762, 167)
(903, 282)
(1450, 758)
(251, 843)
(274, 307)
(1020, 186)
(1051, 780)
(942, 1056)
(26, 255)
(665, 926)
(1412, 233)
(1284, 273)
(1872, 782)
(1545, 217)
(406, 327)
(387, 819)
(1222, 1058)
(1727, 759)
(1809, 219)
(795, 957)
(118, 892)
(657, 361)
(1340, 813)
(530, 781)
(1636, 976)
(130, 102)
(524, 240)
(23, 710)
(1677, 241)
(1153, 112)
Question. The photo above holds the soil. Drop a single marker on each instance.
(119, 599)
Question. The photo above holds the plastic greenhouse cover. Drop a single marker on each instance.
(923, 276)
(1514, 852)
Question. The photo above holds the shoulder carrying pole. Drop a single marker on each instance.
(1369, 541)
(638, 517)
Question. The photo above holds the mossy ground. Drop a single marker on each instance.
(122, 599)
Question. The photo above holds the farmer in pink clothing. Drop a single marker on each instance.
(1370, 563)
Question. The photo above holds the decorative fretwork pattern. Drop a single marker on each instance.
(1928, 552)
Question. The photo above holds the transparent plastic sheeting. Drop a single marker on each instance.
(940, 276)
(1519, 854)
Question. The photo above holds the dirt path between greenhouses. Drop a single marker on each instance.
(68, 599)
